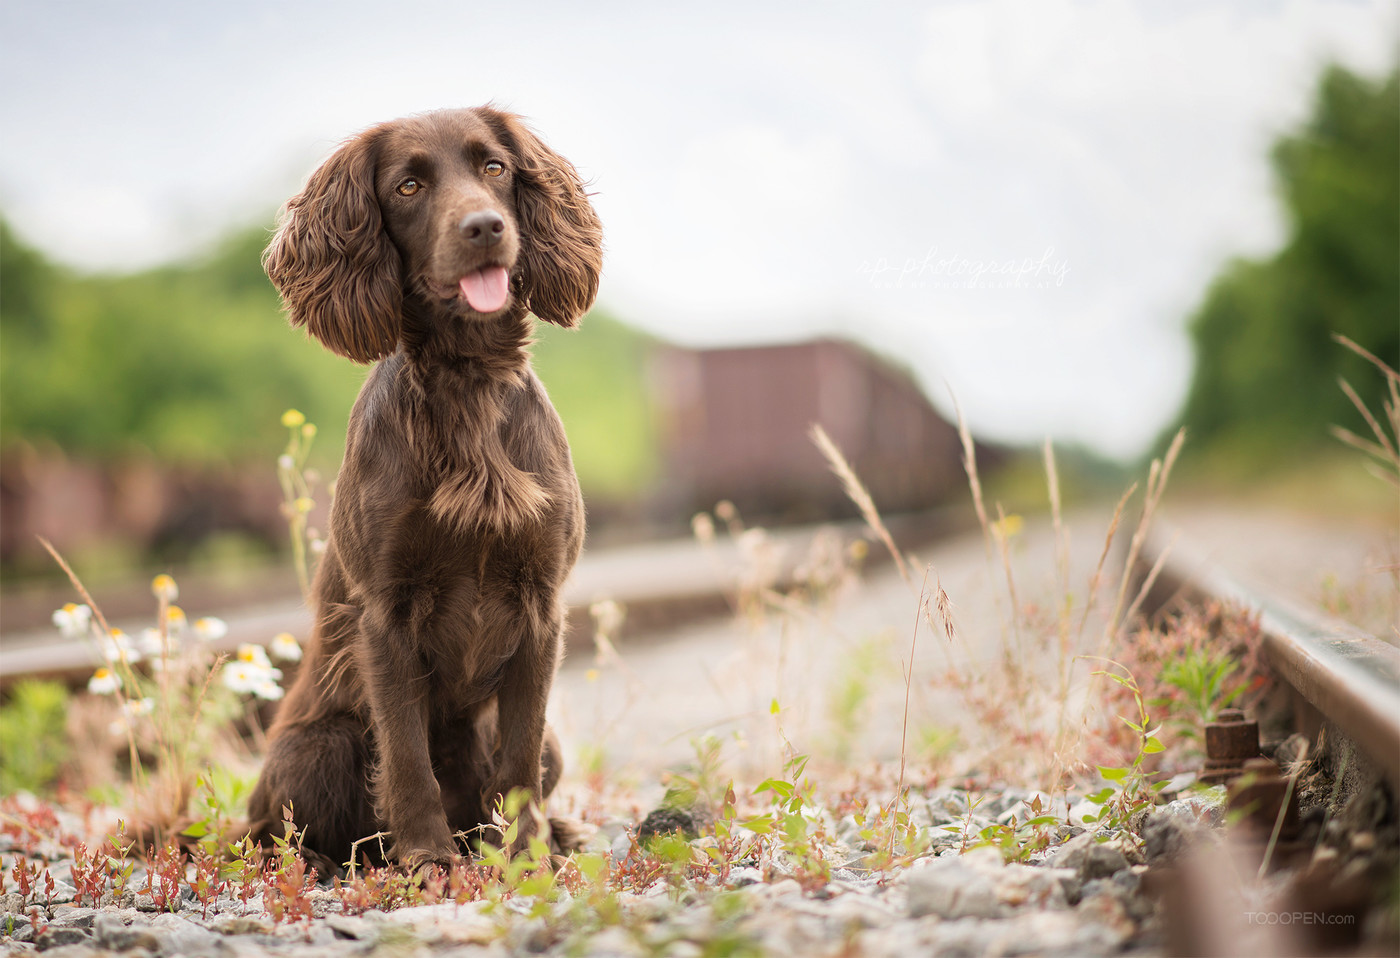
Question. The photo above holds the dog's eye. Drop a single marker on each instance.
(408, 187)
(495, 168)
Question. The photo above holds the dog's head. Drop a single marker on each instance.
(464, 209)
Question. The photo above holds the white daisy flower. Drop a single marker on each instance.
(72, 620)
(164, 587)
(150, 644)
(117, 646)
(254, 655)
(175, 620)
(210, 628)
(268, 689)
(284, 646)
(241, 676)
(104, 682)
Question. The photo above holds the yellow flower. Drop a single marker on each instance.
(304, 504)
(292, 418)
(1008, 527)
(309, 430)
(175, 619)
(164, 587)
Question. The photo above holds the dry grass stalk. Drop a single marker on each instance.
(859, 495)
(1097, 579)
(1156, 484)
(1384, 448)
(969, 461)
(909, 679)
(1052, 480)
(1004, 548)
(1150, 578)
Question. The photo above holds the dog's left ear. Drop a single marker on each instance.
(561, 238)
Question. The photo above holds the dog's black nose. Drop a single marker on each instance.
(483, 228)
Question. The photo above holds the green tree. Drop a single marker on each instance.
(1265, 380)
(195, 363)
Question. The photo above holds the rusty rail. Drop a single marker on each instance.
(1351, 678)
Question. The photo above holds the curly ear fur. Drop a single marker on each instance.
(561, 238)
(335, 267)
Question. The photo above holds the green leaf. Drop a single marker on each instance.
(1112, 774)
(777, 786)
(1153, 745)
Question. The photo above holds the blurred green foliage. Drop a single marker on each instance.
(194, 363)
(1265, 381)
(33, 736)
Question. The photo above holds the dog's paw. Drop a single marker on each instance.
(569, 834)
(420, 861)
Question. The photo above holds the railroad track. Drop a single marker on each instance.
(1338, 677)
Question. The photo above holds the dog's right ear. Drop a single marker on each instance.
(331, 260)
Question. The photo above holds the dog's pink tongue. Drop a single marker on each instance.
(485, 290)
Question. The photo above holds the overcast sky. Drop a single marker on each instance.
(1020, 200)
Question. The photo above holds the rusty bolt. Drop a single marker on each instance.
(1230, 742)
(1259, 793)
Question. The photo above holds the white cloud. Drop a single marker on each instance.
(748, 160)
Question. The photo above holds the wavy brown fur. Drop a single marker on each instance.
(457, 515)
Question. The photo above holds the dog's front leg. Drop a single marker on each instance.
(407, 796)
(521, 701)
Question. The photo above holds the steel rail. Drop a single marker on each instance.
(1350, 677)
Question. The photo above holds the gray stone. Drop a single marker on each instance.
(1174, 828)
(63, 893)
(949, 888)
(54, 937)
(743, 875)
(1089, 857)
(74, 917)
(351, 927)
(253, 924)
(1101, 860)
(621, 846)
(110, 931)
(110, 899)
(180, 936)
(1105, 905)
(1039, 887)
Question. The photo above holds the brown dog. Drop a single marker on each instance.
(425, 243)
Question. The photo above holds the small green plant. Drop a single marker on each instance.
(1130, 788)
(518, 870)
(795, 820)
(33, 741)
(286, 879)
(697, 785)
(1019, 840)
(1207, 682)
